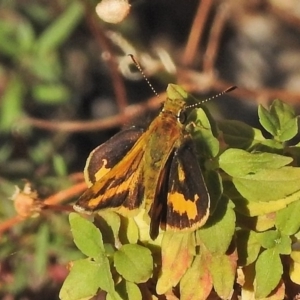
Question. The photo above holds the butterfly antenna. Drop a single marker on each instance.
(213, 97)
(143, 74)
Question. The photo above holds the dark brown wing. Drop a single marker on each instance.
(182, 201)
(121, 184)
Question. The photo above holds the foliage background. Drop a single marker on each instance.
(61, 67)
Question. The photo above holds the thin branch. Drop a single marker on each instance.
(196, 82)
(215, 39)
(66, 194)
(259, 93)
(196, 32)
(7, 224)
(82, 126)
(284, 15)
(104, 45)
(49, 203)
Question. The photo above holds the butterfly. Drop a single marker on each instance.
(156, 169)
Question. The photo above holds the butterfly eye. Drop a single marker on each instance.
(181, 116)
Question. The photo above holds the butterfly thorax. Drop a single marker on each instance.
(173, 106)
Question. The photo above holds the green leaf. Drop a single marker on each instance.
(134, 263)
(240, 163)
(223, 270)
(287, 219)
(87, 236)
(269, 145)
(215, 188)
(21, 279)
(47, 68)
(25, 37)
(129, 232)
(142, 221)
(38, 12)
(106, 282)
(42, 246)
(58, 32)
(239, 135)
(196, 283)
(177, 257)
(269, 185)
(51, 93)
(9, 44)
(205, 142)
(109, 222)
(217, 233)
(11, 104)
(16, 35)
(260, 176)
(264, 222)
(267, 120)
(59, 165)
(250, 208)
(42, 147)
(268, 239)
(86, 277)
(280, 120)
(268, 269)
(275, 239)
(127, 290)
(82, 281)
(284, 245)
(248, 246)
(6, 150)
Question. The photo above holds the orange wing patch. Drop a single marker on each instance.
(183, 206)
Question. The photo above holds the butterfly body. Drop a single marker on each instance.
(161, 141)
(156, 169)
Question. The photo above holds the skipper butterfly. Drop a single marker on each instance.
(156, 169)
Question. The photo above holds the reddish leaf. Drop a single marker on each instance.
(196, 284)
(176, 258)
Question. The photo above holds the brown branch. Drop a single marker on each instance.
(107, 52)
(66, 194)
(49, 203)
(215, 39)
(284, 15)
(267, 94)
(191, 81)
(7, 224)
(81, 126)
(196, 82)
(196, 32)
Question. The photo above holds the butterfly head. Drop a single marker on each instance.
(178, 103)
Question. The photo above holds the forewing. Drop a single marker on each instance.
(122, 185)
(103, 158)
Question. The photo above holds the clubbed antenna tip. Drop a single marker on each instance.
(143, 74)
(232, 88)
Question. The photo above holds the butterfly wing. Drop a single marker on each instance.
(188, 200)
(119, 178)
(103, 158)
